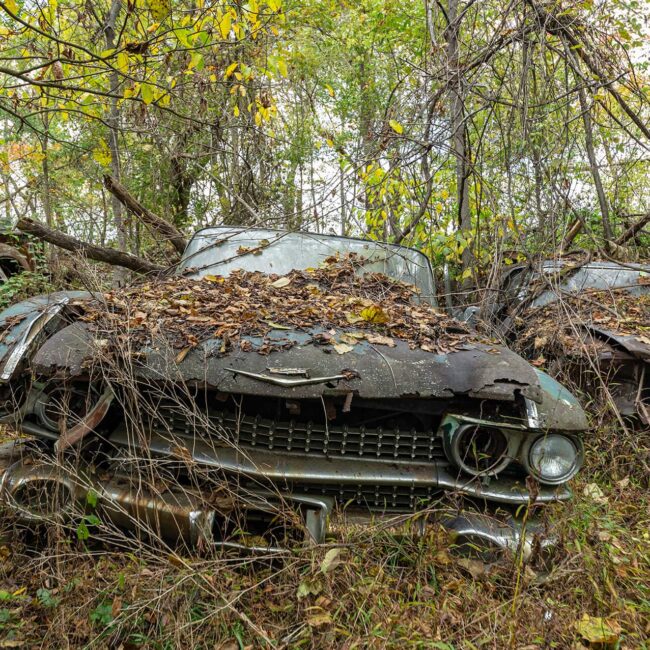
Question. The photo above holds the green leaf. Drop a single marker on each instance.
(308, 588)
(91, 498)
(196, 62)
(82, 532)
(182, 36)
(146, 92)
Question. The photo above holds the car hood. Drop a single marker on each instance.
(637, 346)
(368, 370)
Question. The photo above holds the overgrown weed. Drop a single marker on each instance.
(381, 591)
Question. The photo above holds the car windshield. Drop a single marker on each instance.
(222, 250)
(597, 275)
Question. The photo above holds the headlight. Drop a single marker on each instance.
(554, 458)
(478, 450)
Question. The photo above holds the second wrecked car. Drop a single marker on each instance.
(278, 370)
(587, 320)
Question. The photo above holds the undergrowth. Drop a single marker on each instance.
(366, 588)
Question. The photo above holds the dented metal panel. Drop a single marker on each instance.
(630, 343)
(24, 322)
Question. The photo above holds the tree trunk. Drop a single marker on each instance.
(593, 164)
(458, 140)
(113, 122)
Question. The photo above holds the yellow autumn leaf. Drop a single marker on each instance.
(225, 25)
(123, 62)
(235, 111)
(374, 314)
(102, 154)
(12, 6)
(282, 67)
(159, 9)
(396, 126)
(230, 69)
(598, 630)
(196, 62)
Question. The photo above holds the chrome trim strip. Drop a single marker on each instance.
(287, 383)
(468, 419)
(533, 414)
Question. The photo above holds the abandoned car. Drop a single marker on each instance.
(277, 372)
(587, 321)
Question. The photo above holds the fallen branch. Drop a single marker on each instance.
(98, 253)
(634, 229)
(168, 231)
(572, 233)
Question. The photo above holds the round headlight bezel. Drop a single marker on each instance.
(456, 441)
(529, 447)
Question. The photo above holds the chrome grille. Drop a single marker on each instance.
(306, 437)
(376, 497)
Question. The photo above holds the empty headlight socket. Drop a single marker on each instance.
(492, 445)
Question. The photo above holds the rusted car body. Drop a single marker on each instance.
(12, 261)
(373, 432)
(601, 341)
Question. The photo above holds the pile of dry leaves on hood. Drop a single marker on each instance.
(333, 303)
(566, 327)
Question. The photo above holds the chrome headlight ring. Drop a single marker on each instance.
(480, 450)
(552, 458)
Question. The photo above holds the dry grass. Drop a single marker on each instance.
(381, 591)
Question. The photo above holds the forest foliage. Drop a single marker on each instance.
(475, 131)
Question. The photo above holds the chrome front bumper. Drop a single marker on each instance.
(41, 492)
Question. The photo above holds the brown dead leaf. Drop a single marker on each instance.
(116, 607)
(540, 342)
(475, 568)
(379, 339)
(282, 282)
